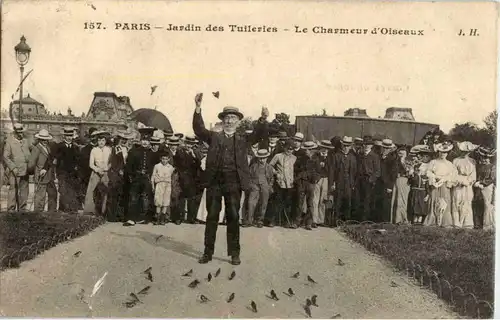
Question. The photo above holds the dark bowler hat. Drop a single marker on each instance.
(230, 110)
(262, 153)
(146, 132)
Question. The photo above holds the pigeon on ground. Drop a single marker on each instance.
(217, 272)
(274, 296)
(204, 299)
(394, 284)
(310, 279)
(233, 274)
(148, 270)
(77, 254)
(313, 300)
(290, 291)
(308, 302)
(296, 275)
(194, 284)
(216, 94)
(254, 306)
(159, 237)
(209, 278)
(307, 309)
(153, 89)
(188, 274)
(341, 263)
(231, 298)
(145, 290)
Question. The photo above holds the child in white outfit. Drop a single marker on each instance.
(162, 186)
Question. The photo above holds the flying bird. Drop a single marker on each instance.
(134, 297)
(310, 279)
(217, 272)
(209, 278)
(150, 276)
(153, 89)
(145, 290)
(159, 237)
(148, 270)
(233, 274)
(188, 274)
(194, 284)
(307, 309)
(314, 301)
(254, 306)
(296, 275)
(92, 6)
(340, 262)
(274, 296)
(204, 299)
(133, 301)
(77, 254)
(231, 298)
(216, 94)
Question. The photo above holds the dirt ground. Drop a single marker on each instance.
(51, 284)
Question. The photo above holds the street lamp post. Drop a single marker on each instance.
(22, 56)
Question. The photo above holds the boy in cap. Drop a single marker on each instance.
(261, 186)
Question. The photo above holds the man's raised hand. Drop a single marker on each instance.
(197, 101)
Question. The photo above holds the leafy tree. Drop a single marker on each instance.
(471, 132)
(490, 123)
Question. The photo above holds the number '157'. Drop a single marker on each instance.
(92, 25)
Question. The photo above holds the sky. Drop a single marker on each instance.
(444, 78)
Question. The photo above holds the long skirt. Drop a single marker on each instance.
(439, 208)
(488, 194)
(399, 204)
(461, 209)
(202, 209)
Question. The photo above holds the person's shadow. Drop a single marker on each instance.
(167, 243)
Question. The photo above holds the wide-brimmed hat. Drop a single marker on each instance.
(299, 136)
(179, 135)
(377, 143)
(99, 134)
(262, 153)
(18, 127)
(485, 152)
(91, 130)
(155, 140)
(68, 131)
(388, 144)
(420, 148)
(358, 140)
(190, 140)
(146, 132)
(173, 140)
(230, 110)
(467, 146)
(123, 135)
(43, 135)
(308, 145)
(326, 144)
(347, 140)
(167, 134)
(444, 147)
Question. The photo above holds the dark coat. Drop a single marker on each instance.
(117, 165)
(84, 167)
(369, 166)
(215, 141)
(138, 157)
(342, 171)
(389, 170)
(188, 168)
(68, 159)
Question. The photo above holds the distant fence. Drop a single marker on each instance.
(462, 302)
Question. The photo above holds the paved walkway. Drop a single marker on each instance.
(49, 285)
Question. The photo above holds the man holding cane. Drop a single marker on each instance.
(226, 174)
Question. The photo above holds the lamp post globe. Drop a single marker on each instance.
(23, 51)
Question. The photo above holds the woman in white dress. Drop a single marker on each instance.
(462, 193)
(442, 175)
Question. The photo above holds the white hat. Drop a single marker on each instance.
(387, 143)
(307, 145)
(467, 146)
(43, 135)
(299, 136)
(443, 147)
(99, 133)
(262, 153)
(158, 134)
(347, 140)
(18, 127)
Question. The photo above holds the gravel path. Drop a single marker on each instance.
(49, 285)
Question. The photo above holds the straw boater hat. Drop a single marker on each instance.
(485, 152)
(68, 131)
(388, 144)
(190, 140)
(230, 110)
(168, 134)
(358, 140)
(18, 127)
(326, 144)
(43, 135)
(467, 146)
(179, 135)
(347, 141)
(308, 145)
(443, 147)
(155, 140)
(262, 153)
(173, 141)
(123, 135)
(299, 136)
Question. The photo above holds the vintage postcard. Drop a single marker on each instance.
(230, 159)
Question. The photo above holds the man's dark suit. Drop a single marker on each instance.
(221, 184)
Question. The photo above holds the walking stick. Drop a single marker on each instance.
(37, 187)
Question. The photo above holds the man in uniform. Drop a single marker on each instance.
(139, 168)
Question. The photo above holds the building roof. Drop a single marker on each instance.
(27, 100)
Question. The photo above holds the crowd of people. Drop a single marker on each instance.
(293, 181)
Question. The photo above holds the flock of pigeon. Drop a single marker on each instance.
(134, 298)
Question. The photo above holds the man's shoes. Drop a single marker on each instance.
(178, 222)
(206, 258)
(235, 260)
(129, 223)
(308, 227)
